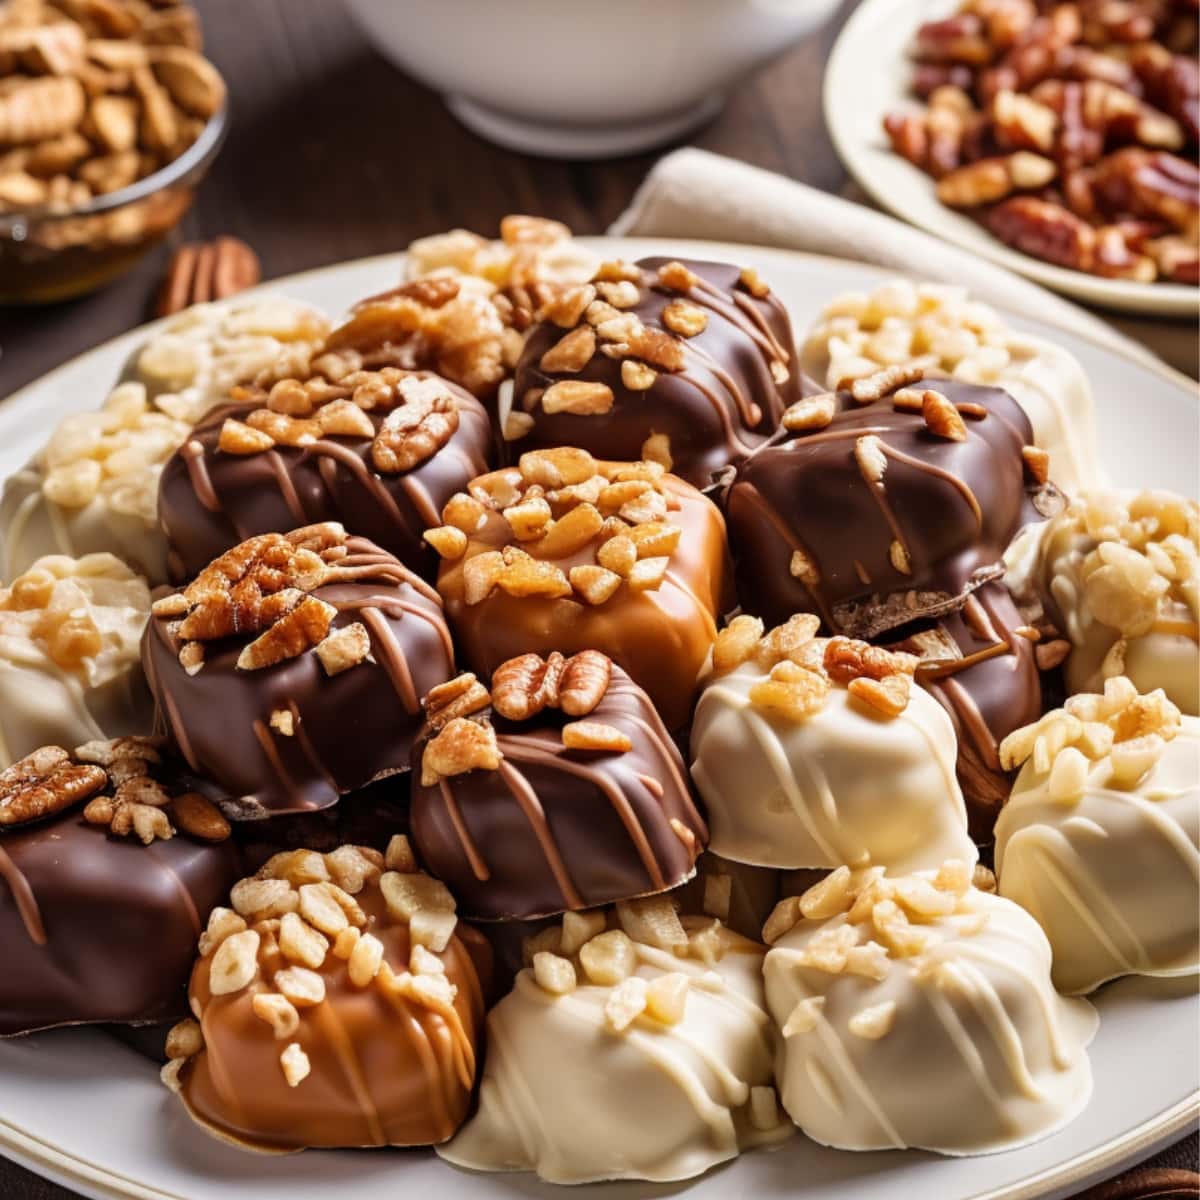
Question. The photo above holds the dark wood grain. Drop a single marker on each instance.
(334, 155)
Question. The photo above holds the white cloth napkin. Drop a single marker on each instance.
(694, 194)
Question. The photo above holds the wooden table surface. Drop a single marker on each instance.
(334, 155)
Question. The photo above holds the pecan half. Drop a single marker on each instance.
(461, 696)
(418, 429)
(44, 783)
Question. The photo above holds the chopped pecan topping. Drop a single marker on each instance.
(462, 696)
(344, 648)
(418, 429)
(595, 735)
(44, 783)
(462, 745)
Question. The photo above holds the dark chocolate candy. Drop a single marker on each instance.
(985, 676)
(722, 402)
(210, 500)
(348, 729)
(874, 520)
(555, 829)
(101, 929)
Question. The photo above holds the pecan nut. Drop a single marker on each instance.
(418, 429)
(44, 783)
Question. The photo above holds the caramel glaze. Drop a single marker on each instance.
(385, 1071)
(558, 829)
(993, 689)
(953, 507)
(210, 501)
(661, 638)
(98, 929)
(350, 728)
(723, 404)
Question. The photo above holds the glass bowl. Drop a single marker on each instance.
(50, 254)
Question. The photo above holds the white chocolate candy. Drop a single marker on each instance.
(94, 487)
(917, 1011)
(619, 1059)
(940, 326)
(189, 364)
(1119, 573)
(846, 785)
(70, 671)
(1101, 840)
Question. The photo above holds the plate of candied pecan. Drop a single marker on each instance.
(673, 716)
(1057, 139)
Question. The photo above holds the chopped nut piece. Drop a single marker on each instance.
(557, 468)
(805, 1017)
(595, 735)
(898, 556)
(460, 697)
(461, 746)
(737, 643)
(238, 438)
(595, 585)
(198, 817)
(625, 1003)
(235, 963)
(579, 928)
(344, 648)
(304, 627)
(295, 1064)
(464, 512)
(1037, 462)
(652, 921)
(677, 277)
(433, 929)
(791, 691)
(666, 998)
(872, 461)
(874, 1022)
(685, 319)
(942, 418)
(571, 354)
(753, 283)
(278, 1012)
(481, 574)
(578, 397)
(813, 412)
(802, 567)
(399, 854)
(569, 534)
(608, 958)
(874, 387)
(365, 960)
(553, 974)
(636, 376)
(450, 543)
(529, 519)
(43, 783)
(300, 942)
(647, 574)
(889, 696)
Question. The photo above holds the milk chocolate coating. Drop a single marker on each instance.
(661, 638)
(993, 689)
(209, 501)
(723, 404)
(96, 928)
(556, 829)
(350, 728)
(953, 507)
(384, 1070)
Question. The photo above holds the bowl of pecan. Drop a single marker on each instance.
(1060, 139)
(109, 119)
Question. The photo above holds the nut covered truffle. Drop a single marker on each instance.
(1119, 574)
(69, 671)
(291, 669)
(560, 790)
(917, 1011)
(336, 1003)
(813, 752)
(886, 503)
(1100, 840)
(633, 1045)
(107, 865)
(378, 450)
(939, 327)
(690, 364)
(566, 553)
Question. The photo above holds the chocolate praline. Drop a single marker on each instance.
(554, 828)
(291, 737)
(872, 519)
(984, 674)
(97, 927)
(211, 498)
(707, 399)
(660, 632)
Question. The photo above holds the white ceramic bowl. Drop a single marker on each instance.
(575, 79)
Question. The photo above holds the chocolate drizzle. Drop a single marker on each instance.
(889, 530)
(715, 411)
(210, 500)
(347, 729)
(556, 829)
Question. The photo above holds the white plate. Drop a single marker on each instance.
(82, 1109)
(868, 76)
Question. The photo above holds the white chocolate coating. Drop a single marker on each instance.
(1112, 873)
(567, 1096)
(844, 786)
(941, 326)
(956, 1043)
(1119, 572)
(52, 696)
